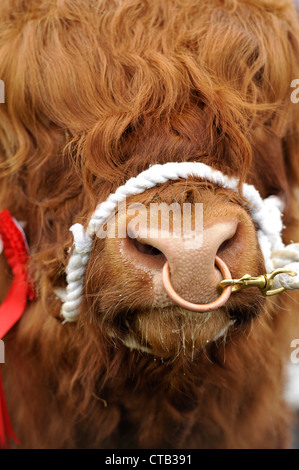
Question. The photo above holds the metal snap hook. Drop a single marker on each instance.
(222, 299)
(265, 282)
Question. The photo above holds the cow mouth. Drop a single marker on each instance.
(169, 332)
(175, 333)
(132, 343)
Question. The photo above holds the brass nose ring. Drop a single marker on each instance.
(198, 307)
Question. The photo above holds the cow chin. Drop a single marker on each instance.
(170, 332)
(174, 331)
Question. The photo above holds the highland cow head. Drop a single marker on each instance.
(126, 87)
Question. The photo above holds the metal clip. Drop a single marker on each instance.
(265, 282)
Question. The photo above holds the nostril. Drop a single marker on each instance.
(230, 243)
(143, 252)
(146, 249)
(225, 246)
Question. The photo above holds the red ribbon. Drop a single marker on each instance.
(14, 304)
(6, 430)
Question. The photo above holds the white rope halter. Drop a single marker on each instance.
(265, 213)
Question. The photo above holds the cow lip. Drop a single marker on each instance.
(131, 342)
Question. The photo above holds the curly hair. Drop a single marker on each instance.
(97, 91)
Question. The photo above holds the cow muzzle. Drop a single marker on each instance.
(191, 271)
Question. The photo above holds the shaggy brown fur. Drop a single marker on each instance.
(96, 91)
